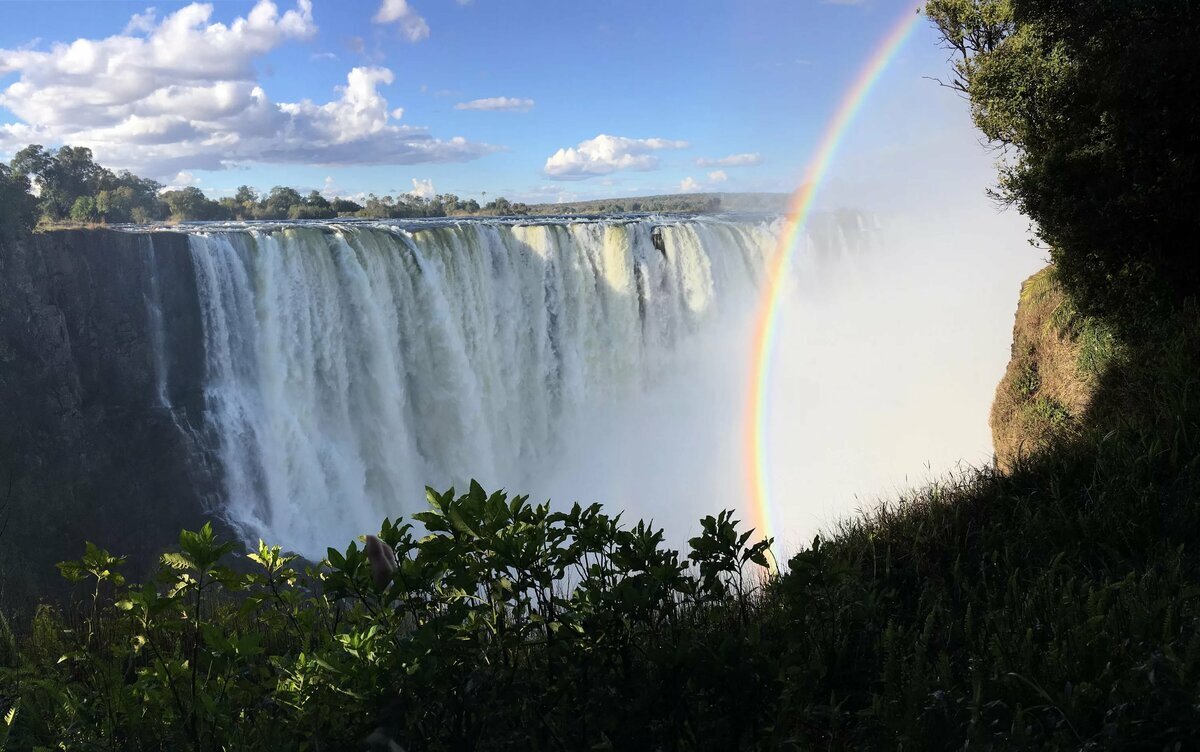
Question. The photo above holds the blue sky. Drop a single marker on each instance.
(309, 93)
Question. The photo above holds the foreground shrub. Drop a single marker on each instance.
(507, 626)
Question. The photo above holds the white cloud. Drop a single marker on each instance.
(143, 22)
(182, 179)
(688, 185)
(497, 104)
(605, 154)
(184, 96)
(717, 176)
(733, 160)
(423, 188)
(399, 12)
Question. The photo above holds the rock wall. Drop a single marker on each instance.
(97, 403)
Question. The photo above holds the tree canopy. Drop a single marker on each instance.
(18, 208)
(1092, 103)
(72, 187)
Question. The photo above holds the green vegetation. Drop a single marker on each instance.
(71, 186)
(73, 189)
(1089, 99)
(506, 625)
(17, 206)
(678, 203)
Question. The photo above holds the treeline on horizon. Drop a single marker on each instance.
(71, 187)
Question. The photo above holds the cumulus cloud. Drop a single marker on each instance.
(183, 96)
(497, 104)
(143, 22)
(182, 179)
(688, 185)
(605, 154)
(399, 12)
(733, 160)
(423, 188)
(717, 176)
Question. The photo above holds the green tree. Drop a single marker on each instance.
(18, 208)
(190, 204)
(246, 195)
(84, 210)
(115, 205)
(62, 176)
(245, 203)
(499, 206)
(345, 206)
(132, 199)
(280, 201)
(968, 28)
(1092, 100)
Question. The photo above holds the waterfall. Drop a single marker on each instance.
(348, 365)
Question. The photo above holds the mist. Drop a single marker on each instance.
(891, 343)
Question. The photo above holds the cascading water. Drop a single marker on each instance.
(349, 365)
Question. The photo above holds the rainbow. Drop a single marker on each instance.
(777, 270)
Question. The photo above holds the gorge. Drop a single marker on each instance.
(301, 381)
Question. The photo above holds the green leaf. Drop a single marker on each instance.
(177, 561)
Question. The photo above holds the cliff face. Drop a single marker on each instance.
(1057, 359)
(97, 400)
